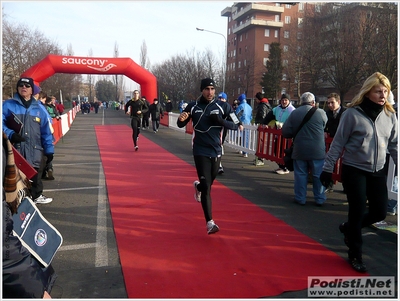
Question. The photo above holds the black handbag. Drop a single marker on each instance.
(287, 158)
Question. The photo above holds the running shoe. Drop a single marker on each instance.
(42, 199)
(197, 194)
(212, 227)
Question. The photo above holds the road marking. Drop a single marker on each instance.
(77, 247)
(101, 229)
(76, 188)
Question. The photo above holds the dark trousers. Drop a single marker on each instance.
(361, 186)
(135, 124)
(37, 184)
(156, 124)
(145, 121)
(207, 170)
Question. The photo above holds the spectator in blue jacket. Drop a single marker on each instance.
(244, 112)
(35, 140)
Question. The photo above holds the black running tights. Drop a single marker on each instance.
(207, 170)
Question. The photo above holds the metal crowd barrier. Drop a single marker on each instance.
(263, 142)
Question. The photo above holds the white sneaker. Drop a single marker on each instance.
(43, 200)
(245, 155)
(260, 163)
(212, 227)
(197, 194)
(282, 171)
(240, 152)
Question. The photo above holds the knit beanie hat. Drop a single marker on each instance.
(242, 97)
(259, 96)
(25, 80)
(205, 83)
(285, 96)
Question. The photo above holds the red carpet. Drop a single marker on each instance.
(164, 249)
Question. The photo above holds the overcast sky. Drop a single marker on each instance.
(167, 27)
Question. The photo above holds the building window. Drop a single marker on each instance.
(286, 34)
(266, 47)
(285, 48)
(229, 31)
(288, 6)
(234, 52)
(265, 60)
(245, 48)
(301, 6)
(285, 63)
(266, 33)
(244, 63)
(287, 19)
(241, 38)
(317, 8)
(276, 33)
(246, 36)
(300, 22)
(277, 18)
(240, 50)
(239, 64)
(284, 77)
(299, 35)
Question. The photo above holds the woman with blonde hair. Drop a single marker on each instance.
(367, 129)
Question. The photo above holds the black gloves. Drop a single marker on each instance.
(17, 138)
(49, 158)
(326, 178)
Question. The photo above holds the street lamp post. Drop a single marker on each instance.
(225, 59)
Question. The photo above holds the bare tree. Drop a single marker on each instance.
(144, 61)
(381, 23)
(90, 79)
(179, 77)
(20, 53)
(118, 79)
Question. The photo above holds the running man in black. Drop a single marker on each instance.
(209, 118)
(136, 108)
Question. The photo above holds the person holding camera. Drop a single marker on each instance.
(34, 140)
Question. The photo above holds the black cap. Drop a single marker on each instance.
(206, 82)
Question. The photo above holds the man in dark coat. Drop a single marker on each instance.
(156, 112)
(263, 108)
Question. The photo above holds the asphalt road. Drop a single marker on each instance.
(88, 264)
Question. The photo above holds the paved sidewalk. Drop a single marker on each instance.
(88, 264)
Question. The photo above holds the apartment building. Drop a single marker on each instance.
(252, 27)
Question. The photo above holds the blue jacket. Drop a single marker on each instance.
(244, 112)
(36, 129)
(207, 134)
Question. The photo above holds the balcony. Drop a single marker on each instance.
(226, 12)
(251, 23)
(256, 7)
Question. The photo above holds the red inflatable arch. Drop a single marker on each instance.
(93, 65)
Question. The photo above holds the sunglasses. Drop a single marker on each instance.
(24, 85)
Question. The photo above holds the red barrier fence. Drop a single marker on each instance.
(165, 120)
(271, 145)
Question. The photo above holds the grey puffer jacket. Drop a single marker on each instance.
(364, 142)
